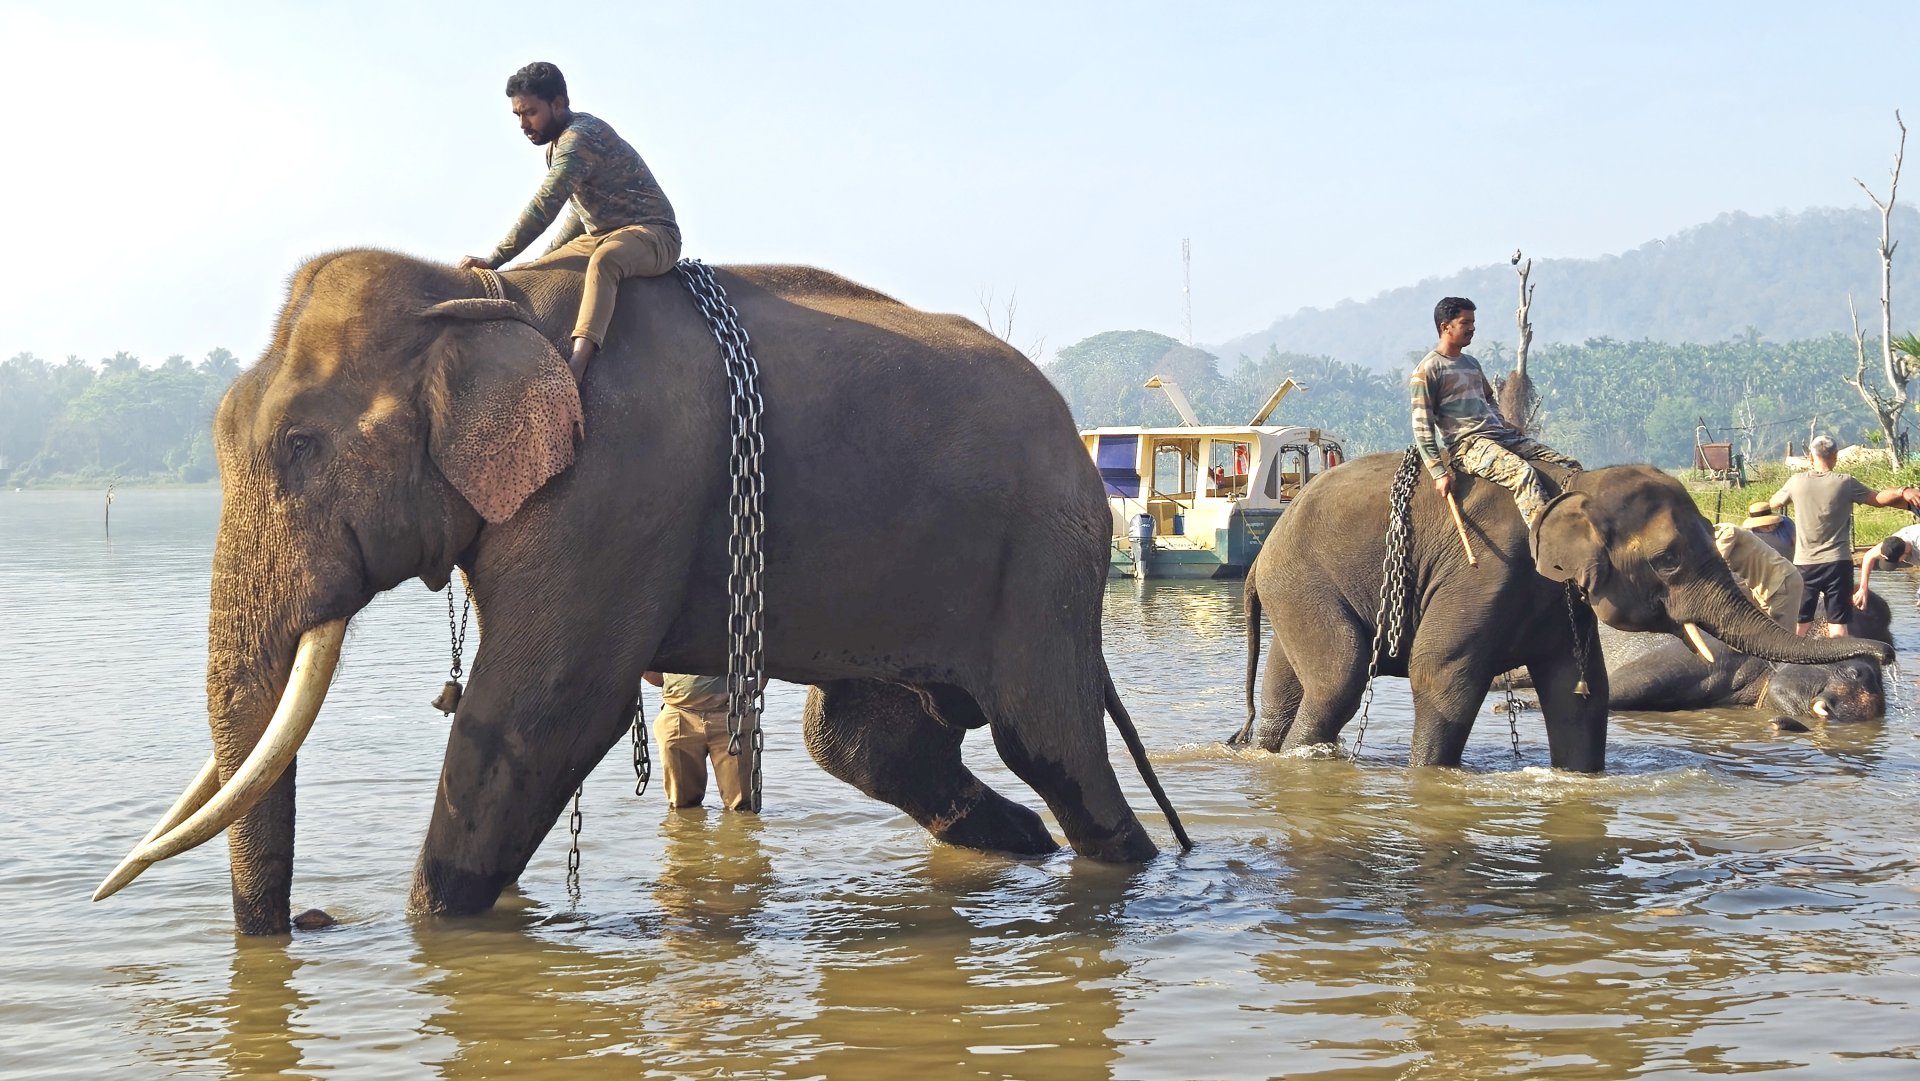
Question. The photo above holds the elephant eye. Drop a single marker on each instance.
(1665, 563)
(298, 447)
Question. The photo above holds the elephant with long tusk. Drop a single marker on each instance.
(936, 555)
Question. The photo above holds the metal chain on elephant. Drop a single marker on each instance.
(1579, 647)
(746, 642)
(449, 698)
(1389, 620)
(642, 764)
(573, 850)
(1513, 715)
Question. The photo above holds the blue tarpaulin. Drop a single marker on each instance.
(1116, 456)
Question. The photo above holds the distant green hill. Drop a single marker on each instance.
(1783, 278)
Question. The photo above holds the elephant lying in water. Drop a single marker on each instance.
(934, 523)
(1657, 673)
(1628, 540)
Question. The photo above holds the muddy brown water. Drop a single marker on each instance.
(1724, 900)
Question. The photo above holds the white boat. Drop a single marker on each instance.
(1211, 492)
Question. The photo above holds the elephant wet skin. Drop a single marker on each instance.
(1628, 540)
(1656, 673)
(401, 424)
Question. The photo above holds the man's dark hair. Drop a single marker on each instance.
(538, 80)
(1449, 309)
(1893, 549)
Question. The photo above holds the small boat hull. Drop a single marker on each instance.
(1231, 554)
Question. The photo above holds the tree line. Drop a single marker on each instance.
(76, 422)
(1604, 401)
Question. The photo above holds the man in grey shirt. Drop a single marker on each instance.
(1823, 551)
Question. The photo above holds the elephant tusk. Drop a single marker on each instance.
(313, 666)
(1699, 640)
(199, 791)
(1820, 709)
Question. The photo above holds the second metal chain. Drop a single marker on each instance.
(573, 851)
(642, 764)
(458, 633)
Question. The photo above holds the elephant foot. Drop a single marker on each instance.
(1787, 724)
(1128, 844)
(993, 823)
(441, 890)
(314, 919)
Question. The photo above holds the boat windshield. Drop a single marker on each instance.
(1228, 465)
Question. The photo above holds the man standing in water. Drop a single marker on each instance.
(1823, 550)
(621, 220)
(1454, 410)
(692, 728)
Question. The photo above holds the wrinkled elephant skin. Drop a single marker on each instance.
(934, 523)
(1655, 673)
(1628, 540)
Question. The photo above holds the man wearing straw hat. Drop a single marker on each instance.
(1770, 526)
(1770, 577)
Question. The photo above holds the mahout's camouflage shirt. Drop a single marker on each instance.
(1451, 401)
(610, 188)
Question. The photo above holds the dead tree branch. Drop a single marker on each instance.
(1001, 325)
(1897, 367)
(1515, 394)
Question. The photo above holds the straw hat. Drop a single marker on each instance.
(1760, 516)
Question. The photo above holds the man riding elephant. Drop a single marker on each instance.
(402, 423)
(1454, 411)
(621, 220)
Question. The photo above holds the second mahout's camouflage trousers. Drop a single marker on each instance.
(1509, 465)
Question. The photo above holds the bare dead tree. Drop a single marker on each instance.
(1001, 325)
(1897, 367)
(1515, 394)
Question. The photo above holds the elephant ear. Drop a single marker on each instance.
(502, 405)
(1567, 544)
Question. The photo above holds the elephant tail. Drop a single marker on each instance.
(1252, 603)
(1123, 723)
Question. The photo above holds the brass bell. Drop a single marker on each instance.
(449, 699)
(1579, 688)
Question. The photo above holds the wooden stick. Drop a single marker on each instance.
(1461, 528)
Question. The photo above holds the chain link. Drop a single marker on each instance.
(1513, 715)
(457, 670)
(746, 644)
(1579, 647)
(642, 765)
(1389, 620)
(573, 850)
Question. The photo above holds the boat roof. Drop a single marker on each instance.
(1265, 431)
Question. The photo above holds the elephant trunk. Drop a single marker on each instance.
(263, 693)
(1723, 609)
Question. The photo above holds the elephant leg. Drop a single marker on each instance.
(1047, 711)
(1447, 695)
(1280, 696)
(1330, 693)
(883, 739)
(531, 727)
(1576, 726)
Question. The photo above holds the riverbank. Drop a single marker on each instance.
(1870, 524)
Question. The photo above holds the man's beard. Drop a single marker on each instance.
(543, 135)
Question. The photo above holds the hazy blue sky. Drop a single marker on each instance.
(169, 164)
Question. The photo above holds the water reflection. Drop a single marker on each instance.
(1723, 900)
